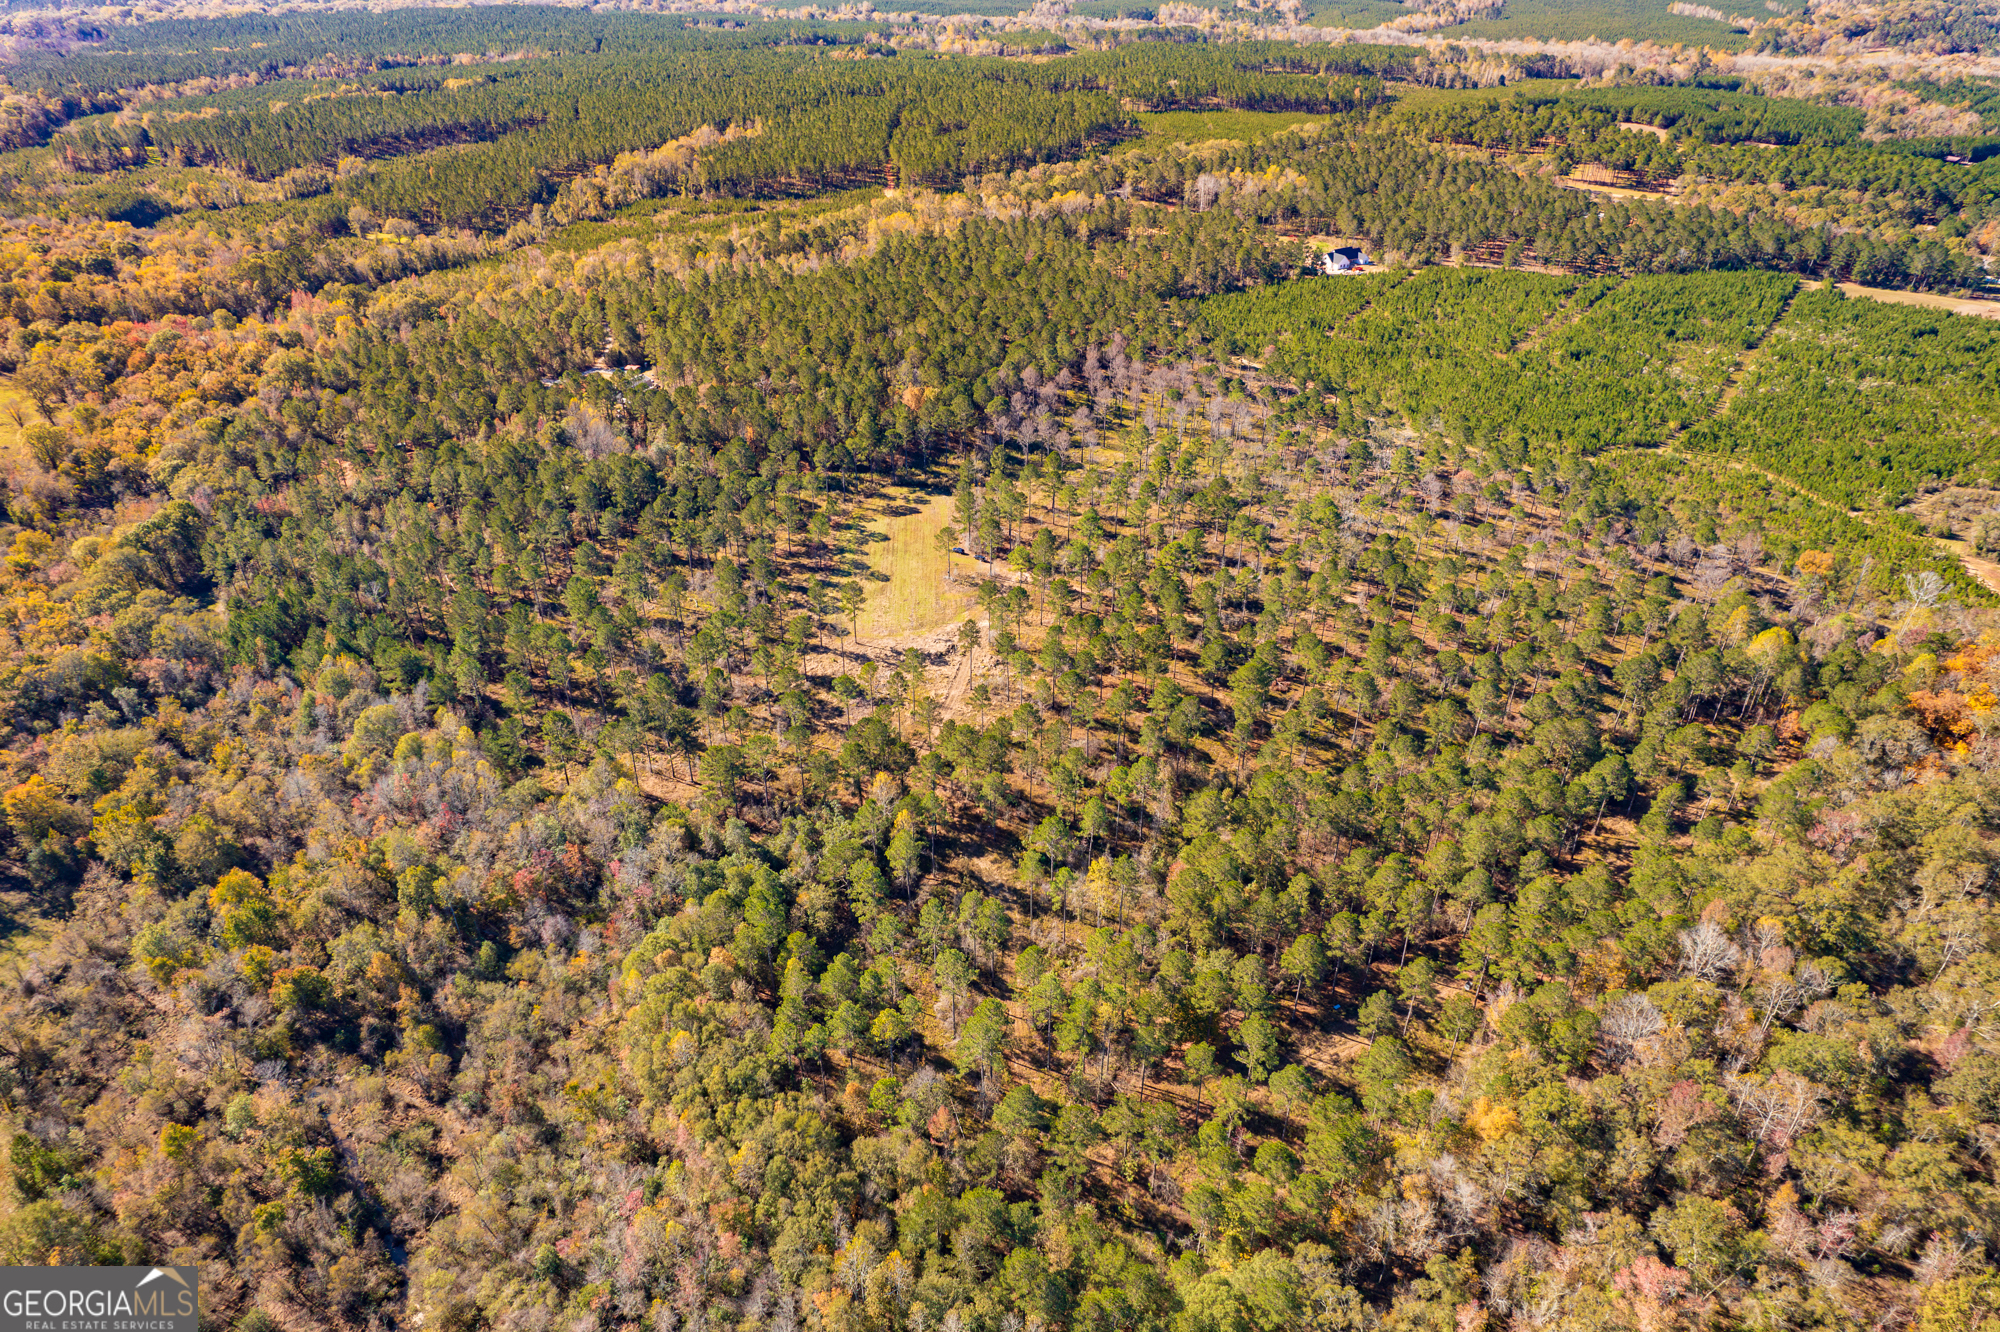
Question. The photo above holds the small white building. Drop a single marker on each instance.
(1346, 259)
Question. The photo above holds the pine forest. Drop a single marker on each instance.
(1061, 673)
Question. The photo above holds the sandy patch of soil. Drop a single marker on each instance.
(1965, 305)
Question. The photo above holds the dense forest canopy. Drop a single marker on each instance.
(665, 676)
(275, 45)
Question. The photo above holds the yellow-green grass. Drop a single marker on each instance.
(907, 592)
(651, 219)
(1169, 127)
(1417, 96)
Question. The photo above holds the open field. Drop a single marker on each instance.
(1610, 191)
(650, 219)
(1600, 20)
(1984, 309)
(1162, 128)
(907, 591)
(1417, 96)
(1356, 14)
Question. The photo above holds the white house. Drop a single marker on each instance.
(1346, 259)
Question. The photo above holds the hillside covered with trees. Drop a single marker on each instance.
(662, 676)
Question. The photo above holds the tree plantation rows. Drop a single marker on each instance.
(1711, 115)
(1734, 139)
(1422, 201)
(816, 123)
(1511, 361)
(281, 46)
(1862, 404)
(780, 111)
(1865, 403)
(532, 123)
(717, 753)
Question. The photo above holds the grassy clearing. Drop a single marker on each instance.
(1162, 128)
(1979, 307)
(1600, 20)
(1417, 96)
(1361, 14)
(650, 219)
(907, 592)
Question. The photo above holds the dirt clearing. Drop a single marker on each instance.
(1611, 191)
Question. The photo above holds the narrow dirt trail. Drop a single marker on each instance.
(1784, 482)
(1570, 312)
(1986, 572)
(1732, 383)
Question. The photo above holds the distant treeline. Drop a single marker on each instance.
(270, 46)
(1699, 115)
(1733, 136)
(822, 121)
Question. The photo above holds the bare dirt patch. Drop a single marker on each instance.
(1324, 243)
(1985, 570)
(1611, 191)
